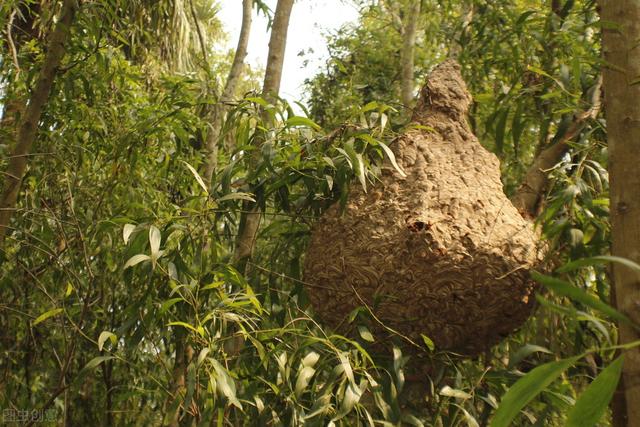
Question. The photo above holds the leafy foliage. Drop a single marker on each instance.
(120, 303)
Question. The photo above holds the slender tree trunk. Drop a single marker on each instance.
(250, 220)
(622, 70)
(277, 45)
(410, 30)
(28, 124)
(235, 73)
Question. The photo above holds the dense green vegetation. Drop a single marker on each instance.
(122, 300)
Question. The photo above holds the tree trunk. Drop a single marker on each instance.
(28, 124)
(250, 220)
(235, 73)
(620, 47)
(410, 29)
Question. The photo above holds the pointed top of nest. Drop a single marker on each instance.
(445, 92)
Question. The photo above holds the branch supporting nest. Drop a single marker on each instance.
(528, 197)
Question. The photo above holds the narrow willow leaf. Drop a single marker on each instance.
(361, 172)
(471, 421)
(168, 304)
(383, 121)
(225, 384)
(452, 392)
(593, 402)
(95, 362)
(346, 366)
(154, 240)
(392, 158)
(596, 260)
(365, 334)
(136, 259)
(104, 336)
(412, 420)
(302, 121)
(197, 177)
(186, 325)
(526, 389)
(566, 289)
(126, 232)
(305, 375)
(428, 342)
(44, 316)
(352, 395)
(236, 196)
(310, 359)
(524, 352)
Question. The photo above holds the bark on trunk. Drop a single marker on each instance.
(622, 54)
(250, 221)
(28, 125)
(409, 33)
(235, 73)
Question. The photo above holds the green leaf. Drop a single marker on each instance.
(365, 334)
(593, 402)
(597, 260)
(136, 259)
(154, 241)
(524, 352)
(225, 384)
(392, 158)
(126, 232)
(198, 330)
(566, 289)
(93, 363)
(44, 316)
(305, 375)
(361, 172)
(302, 121)
(106, 335)
(526, 389)
(452, 392)
(197, 177)
(236, 196)
(168, 304)
(352, 395)
(428, 342)
(310, 359)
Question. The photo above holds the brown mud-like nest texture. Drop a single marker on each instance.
(441, 251)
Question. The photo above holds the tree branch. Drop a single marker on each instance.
(28, 125)
(528, 197)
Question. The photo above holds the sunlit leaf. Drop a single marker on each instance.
(126, 232)
(136, 259)
(197, 177)
(104, 336)
(593, 402)
(392, 158)
(304, 376)
(44, 316)
(451, 392)
(566, 289)
(154, 241)
(526, 389)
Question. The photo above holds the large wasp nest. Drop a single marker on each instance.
(441, 251)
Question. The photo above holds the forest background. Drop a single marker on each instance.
(158, 195)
